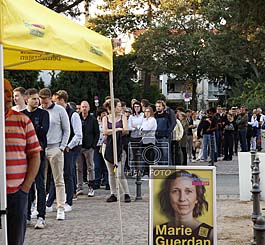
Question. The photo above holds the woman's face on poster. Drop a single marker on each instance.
(183, 196)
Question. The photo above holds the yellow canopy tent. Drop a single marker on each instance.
(33, 37)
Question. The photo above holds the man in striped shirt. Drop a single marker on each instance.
(22, 165)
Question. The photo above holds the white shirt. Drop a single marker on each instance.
(148, 129)
(135, 121)
(78, 134)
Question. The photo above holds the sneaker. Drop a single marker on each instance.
(74, 197)
(91, 192)
(40, 223)
(107, 187)
(49, 209)
(127, 198)
(96, 187)
(67, 208)
(34, 214)
(112, 198)
(79, 192)
(60, 214)
(29, 222)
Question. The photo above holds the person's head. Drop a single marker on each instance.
(19, 96)
(78, 108)
(234, 110)
(219, 109)
(259, 111)
(160, 106)
(188, 112)
(145, 103)
(45, 95)
(181, 196)
(182, 116)
(230, 117)
(123, 106)
(243, 109)
(137, 108)
(8, 95)
(61, 97)
(117, 106)
(32, 99)
(127, 112)
(133, 101)
(101, 112)
(84, 108)
(211, 111)
(148, 112)
(72, 105)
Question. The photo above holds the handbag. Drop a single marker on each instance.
(108, 155)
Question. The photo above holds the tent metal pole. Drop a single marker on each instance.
(3, 205)
(114, 138)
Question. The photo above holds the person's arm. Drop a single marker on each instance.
(65, 129)
(77, 127)
(125, 129)
(96, 132)
(130, 126)
(32, 170)
(105, 129)
(43, 127)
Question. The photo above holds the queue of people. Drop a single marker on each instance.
(64, 143)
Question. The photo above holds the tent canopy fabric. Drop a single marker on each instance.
(37, 38)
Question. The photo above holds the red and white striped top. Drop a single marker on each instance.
(21, 140)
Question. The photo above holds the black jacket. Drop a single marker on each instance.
(41, 123)
(90, 131)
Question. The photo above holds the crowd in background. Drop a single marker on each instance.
(77, 144)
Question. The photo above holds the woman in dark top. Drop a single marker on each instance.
(115, 168)
(182, 201)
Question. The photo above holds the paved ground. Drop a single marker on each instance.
(93, 221)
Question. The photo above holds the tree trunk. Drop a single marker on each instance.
(147, 82)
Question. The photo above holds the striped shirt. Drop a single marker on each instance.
(21, 140)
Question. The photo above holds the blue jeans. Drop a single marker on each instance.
(243, 139)
(76, 152)
(206, 145)
(41, 192)
(163, 145)
(17, 205)
(100, 168)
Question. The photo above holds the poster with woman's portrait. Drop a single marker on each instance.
(182, 205)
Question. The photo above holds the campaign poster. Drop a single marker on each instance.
(182, 205)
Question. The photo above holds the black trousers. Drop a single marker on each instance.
(228, 145)
(17, 204)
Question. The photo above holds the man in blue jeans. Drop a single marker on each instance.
(41, 122)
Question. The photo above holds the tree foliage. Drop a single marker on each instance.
(86, 85)
(68, 7)
(26, 79)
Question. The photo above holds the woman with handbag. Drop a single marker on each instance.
(115, 170)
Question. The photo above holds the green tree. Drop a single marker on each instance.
(68, 7)
(26, 79)
(86, 85)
